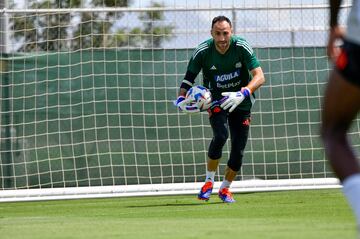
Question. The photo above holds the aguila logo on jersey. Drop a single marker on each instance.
(227, 77)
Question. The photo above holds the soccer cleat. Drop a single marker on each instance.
(205, 191)
(226, 196)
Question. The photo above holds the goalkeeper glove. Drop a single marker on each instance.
(184, 105)
(233, 99)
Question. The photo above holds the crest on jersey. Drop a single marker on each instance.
(238, 65)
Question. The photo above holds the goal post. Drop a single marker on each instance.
(163, 189)
(98, 120)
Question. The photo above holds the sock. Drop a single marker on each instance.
(351, 189)
(210, 176)
(225, 184)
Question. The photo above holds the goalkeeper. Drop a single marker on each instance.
(232, 73)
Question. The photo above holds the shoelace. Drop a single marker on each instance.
(207, 186)
(226, 192)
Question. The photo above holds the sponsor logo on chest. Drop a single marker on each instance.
(227, 77)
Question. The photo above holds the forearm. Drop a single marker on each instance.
(257, 80)
(334, 11)
(187, 83)
(182, 91)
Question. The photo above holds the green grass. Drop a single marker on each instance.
(289, 214)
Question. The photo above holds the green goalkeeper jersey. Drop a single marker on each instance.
(225, 72)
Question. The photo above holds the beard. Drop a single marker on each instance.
(223, 46)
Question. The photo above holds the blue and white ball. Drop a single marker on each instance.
(200, 96)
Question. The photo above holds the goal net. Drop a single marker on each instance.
(86, 100)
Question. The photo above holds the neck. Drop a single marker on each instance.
(222, 51)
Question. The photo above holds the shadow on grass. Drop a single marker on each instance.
(175, 204)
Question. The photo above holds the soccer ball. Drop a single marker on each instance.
(200, 96)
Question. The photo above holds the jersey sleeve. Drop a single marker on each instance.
(193, 69)
(195, 62)
(248, 53)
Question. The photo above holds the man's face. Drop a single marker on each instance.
(221, 32)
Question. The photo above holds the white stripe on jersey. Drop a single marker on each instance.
(187, 82)
(245, 45)
(200, 48)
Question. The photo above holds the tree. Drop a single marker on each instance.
(70, 30)
(151, 35)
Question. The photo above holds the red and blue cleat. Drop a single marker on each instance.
(226, 196)
(205, 191)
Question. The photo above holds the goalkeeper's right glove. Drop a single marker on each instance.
(184, 105)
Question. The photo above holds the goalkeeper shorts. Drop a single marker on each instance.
(348, 62)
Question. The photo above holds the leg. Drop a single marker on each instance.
(338, 113)
(212, 164)
(218, 122)
(224, 192)
(239, 124)
(239, 129)
(229, 174)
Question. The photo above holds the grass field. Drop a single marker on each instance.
(289, 214)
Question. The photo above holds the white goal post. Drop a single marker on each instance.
(163, 189)
(86, 101)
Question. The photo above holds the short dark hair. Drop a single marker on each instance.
(220, 19)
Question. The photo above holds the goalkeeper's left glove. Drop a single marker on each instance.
(184, 105)
(233, 99)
